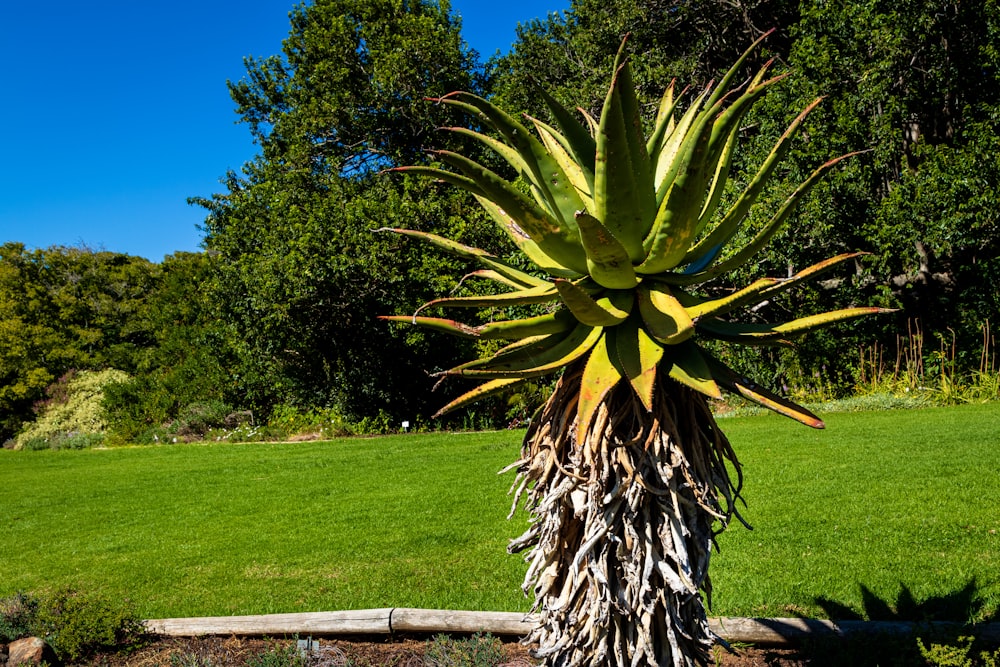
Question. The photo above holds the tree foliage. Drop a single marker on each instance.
(76, 309)
(64, 309)
(186, 362)
(916, 83)
(301, 273)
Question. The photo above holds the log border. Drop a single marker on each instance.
(403, 620)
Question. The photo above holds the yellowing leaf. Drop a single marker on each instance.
(600, 376)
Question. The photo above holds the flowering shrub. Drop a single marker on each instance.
(72, 417)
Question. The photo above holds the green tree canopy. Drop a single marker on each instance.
(301, 275)
(65, 309)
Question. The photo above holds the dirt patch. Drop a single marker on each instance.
(243, 652)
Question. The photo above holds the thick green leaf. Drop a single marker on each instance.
(718, 183)
(541, 294)
(733, 71)
(689, 367)
(720, 235)
(742, 256)
(559, 241)
(594, 126)
(549, 323)
(468, 252)
(436, 323)
(663, 124)
(624, 196)
(544, 171)
(666, 160)
(580, 141)
(810, 272)
(484, 390)
(512, 157)
(739, 331)
(578, 343)
(523, 242)
(524, 352)
(685, 210)
(665, 318)
(528, 212)
(579, 136)
(728, 303)
(607, 260)
(760, 290)
(725, 131)
(494, 276)
(578, 176)
(605, 311)
(676, 218)
(736, 383)
(636, 356)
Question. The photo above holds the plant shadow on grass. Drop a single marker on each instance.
(961, 606)
(940, 630)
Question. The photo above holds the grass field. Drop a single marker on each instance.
(879, 502)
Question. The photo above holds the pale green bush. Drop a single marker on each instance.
(73, 417)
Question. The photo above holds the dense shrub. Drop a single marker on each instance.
(199, 418)
(69, 440)
(289, 422)
(79, 624)
(71, 417)
(17, 616)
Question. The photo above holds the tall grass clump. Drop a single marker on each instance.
(930, 372)
(480, 650)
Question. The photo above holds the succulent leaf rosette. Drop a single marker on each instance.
(625, 228)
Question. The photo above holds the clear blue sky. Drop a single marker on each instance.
(114, 112)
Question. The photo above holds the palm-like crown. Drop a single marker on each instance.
(626, 228)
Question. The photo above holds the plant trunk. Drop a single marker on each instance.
(623, 525)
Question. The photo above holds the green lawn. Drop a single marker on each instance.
(892, 502)
(878, 500)
(259, 528)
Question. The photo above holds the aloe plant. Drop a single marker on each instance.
(624, 470)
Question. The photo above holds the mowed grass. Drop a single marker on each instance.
(883, 502)
(901, 504)
(191, 530)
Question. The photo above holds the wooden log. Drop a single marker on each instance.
(779, 631)
(446, 620)
(764, 631)
(354, 622)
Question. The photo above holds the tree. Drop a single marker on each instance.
(299, 271)
(624, 470)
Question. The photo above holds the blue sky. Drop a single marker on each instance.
(114, 112)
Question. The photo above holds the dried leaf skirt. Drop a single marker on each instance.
(622, 526)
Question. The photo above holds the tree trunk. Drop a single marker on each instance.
(622, 526)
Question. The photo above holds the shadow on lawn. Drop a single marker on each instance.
(965, 605)
(950, 643)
